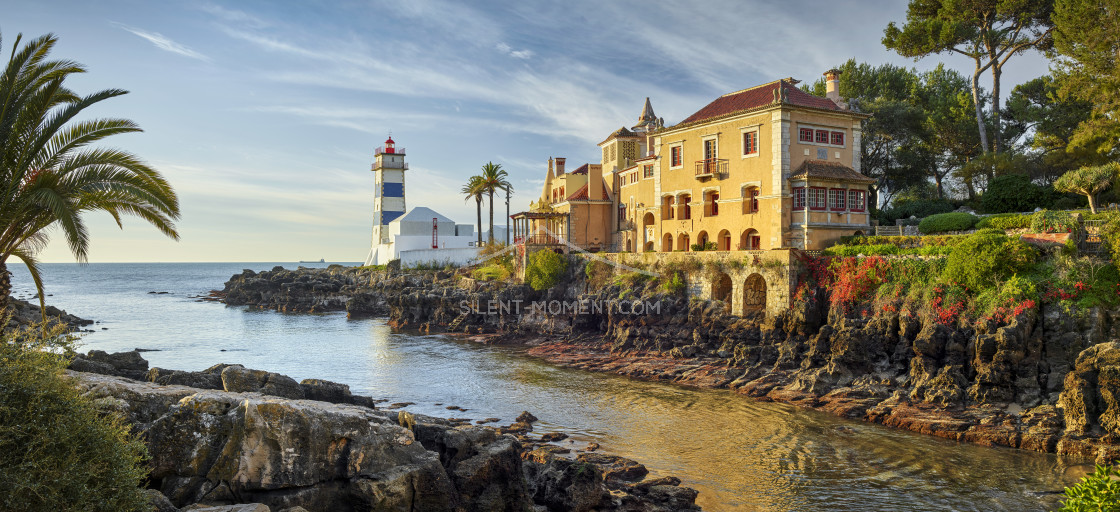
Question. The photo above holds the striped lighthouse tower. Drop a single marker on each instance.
(388, 198)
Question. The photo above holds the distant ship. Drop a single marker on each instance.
(321, 260)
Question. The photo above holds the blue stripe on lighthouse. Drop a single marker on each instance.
(393, 189)
(387, 217)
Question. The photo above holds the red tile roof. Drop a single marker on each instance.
(580, 195)
(763, 95)
(822, 169)
(580, 170)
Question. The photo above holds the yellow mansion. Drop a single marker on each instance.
(762, 168)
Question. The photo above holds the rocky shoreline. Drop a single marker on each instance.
(232, 439)
(1048, 381)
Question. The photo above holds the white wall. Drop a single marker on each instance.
(440, 257)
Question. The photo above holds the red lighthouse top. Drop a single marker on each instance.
(390, 146)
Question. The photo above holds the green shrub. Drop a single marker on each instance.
(707, 246)
(674, 285)
(1052, 221)
(942, 222)
(1010, 193)
(632, 279)
(916, 208)
(866, 250)
(1005, 221)
(1096, 492)
(545, 269)
(491, 273)
(984, 260)
(60, 452)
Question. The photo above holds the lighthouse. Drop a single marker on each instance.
(388, 195)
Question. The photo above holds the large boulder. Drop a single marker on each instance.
(220, 448)
(1090, 401)
(238, 379)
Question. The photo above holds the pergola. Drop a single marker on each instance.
(540, 228)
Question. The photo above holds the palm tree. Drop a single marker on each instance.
(49, 176)
(473, 189)
(493, 179)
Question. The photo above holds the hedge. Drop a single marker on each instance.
(1005, 221)
(952, 221)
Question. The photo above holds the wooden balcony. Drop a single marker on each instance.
(712, 167)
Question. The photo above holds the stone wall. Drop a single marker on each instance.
(708, 274)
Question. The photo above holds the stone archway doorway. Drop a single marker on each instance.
(754, 293)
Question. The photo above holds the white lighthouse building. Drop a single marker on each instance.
(417, 236)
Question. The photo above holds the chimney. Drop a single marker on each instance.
(559, 166)
(832, 85)
(550, 167)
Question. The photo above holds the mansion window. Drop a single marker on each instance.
(750, 143)
(817, 198)
(647, 171)
(818, 136)
(686, 207)
(675, 156)
(711, 203)
(621, 213)
(836, 197)
(857, 200)
(799, 198)
(668, 208)
(750, 200)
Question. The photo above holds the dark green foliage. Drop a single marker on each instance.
(1110, 233)
(1005, 221)
(983, 260)
(920, 208)
(674, 285)
(1047, 221)
(545, 269)
(59, 453)
(953, 221)
(708, 246)
(1096, 492)
(1011, 193)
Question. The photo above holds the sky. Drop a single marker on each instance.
(264, 115)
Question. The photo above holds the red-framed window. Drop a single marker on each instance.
(621, 213)
(675, 156)
(750, 143)
(798, 198)
(805, 135)
(686, 207)
(837, 138)
(822, 137)
(754, 243)
(713, 201)
(647, 171)
(837, 199)
(750, 200)
(818, 197)
(857, 200)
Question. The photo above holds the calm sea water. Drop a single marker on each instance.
(741, 454)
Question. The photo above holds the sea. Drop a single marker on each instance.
(741, 454)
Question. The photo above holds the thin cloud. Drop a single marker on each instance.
(517, 54)
(163, 43)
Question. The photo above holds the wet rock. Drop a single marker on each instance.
(159, 502)
(124, 364)
(553, 437)
(248, 507)
(615, 469)
(326, 391)
(201, 380)
(1091, 398)
(525, 417)
(238, 379)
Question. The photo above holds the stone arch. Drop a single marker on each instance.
(649, 247)
(858, 233)
(702, 239)
(750, 241)
(628, 246)
(721, 288)
(723, 240)
(682, 242)
(754, 293)
(667, 243)
(648, 220)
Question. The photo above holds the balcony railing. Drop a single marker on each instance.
(711, 167)
(381, 149)
(539, 240)
(392, 165)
